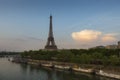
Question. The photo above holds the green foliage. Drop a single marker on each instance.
(114, 60)
(82, 56)
(64, 56)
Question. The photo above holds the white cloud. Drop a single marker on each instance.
(108, 38)
(85, 36)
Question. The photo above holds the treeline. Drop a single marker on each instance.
(82, 56)
(4, 53)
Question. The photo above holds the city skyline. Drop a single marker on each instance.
(77, 23)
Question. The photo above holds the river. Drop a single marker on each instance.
(15, 71)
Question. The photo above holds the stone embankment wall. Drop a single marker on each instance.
(103, 73)
(73, 66)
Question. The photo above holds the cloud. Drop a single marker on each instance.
(92, 36)
(108, 38)
(86, 35)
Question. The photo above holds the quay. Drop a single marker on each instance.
(103, 73)
(66, 66)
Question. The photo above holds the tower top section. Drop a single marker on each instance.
(50, 16)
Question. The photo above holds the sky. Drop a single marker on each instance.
(77, 24)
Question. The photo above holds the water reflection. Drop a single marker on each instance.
(14, 71)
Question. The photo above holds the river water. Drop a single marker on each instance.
(14, 71)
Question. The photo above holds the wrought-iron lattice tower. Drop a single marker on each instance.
(50, 41)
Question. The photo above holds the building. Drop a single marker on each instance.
(98, 47)
(118, 44)
(101, 47)
(111, 47)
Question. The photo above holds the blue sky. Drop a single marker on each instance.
(24, 24)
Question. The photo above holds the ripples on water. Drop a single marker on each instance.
(14, 71)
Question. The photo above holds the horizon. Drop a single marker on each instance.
(77, 24)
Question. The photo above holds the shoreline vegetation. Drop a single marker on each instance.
(103, 62)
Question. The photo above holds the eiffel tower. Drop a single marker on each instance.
(50, 41)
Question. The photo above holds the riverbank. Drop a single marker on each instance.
(91, 69)
(106, 74)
